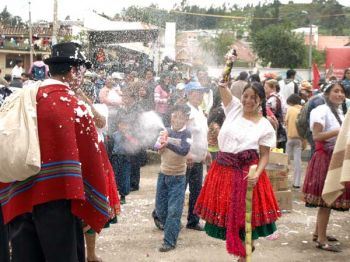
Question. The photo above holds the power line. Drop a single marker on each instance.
(242, 17)
(212, 15)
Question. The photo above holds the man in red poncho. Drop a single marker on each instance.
(44, 212)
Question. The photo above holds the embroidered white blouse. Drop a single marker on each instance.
(239, 134)
(324, 116)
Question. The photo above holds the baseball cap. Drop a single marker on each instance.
(195, 86)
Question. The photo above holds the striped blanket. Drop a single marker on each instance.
(72, 166)
(339, 169)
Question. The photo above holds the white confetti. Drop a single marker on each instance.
(80, 112)
(65, 99)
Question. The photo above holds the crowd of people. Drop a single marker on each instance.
(93, 146)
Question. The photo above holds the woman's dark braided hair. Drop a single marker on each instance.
(333, 108)
(259, 90)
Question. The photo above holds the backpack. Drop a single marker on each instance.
(39, 72)
(302, 121)
(20, 156)
(281, 131)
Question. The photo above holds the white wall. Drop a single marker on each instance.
(170, 40)
(217, 71)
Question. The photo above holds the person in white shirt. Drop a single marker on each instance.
(325, 123)
(288, 86)
(17, 70)
(198, 151)
(245, 139)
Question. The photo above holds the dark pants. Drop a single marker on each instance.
(50, 233)
(194, 177)
(4, 242)
(122, 170)
(170, 198)
(135, 161)
(282, 145)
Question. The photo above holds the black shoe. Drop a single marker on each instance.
(122, 200)
(197, 227)
(134, 189)
(166, 248)
(296, 187)
(157, 222)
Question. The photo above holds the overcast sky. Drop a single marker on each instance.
(43, 9)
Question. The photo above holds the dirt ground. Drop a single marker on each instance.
(135, 238)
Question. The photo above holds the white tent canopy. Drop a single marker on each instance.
(95, 22)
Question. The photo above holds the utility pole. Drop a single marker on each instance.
(30, 35)
(310, 42)
(310, 49)
(54, 24)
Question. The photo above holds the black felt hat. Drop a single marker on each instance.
(68, 52)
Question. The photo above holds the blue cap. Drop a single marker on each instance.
(195, 86)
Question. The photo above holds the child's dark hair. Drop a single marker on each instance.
(7, 77)
(293, 100)
(327, 91)
(185, 109)
(254, 78)
(122, 119)
(258, 90)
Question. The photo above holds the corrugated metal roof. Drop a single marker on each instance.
(37, 31)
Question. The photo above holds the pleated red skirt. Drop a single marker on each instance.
(216, 195)
(315, 177)
(222, 198)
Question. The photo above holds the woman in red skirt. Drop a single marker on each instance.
(325, 123)
(245, 139)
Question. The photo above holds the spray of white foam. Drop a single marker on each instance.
(150, 124)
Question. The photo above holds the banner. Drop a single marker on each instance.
(339, 57)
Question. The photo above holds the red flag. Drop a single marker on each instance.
(316, 76)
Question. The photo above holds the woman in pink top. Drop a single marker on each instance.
(162, 94)
(111, 97)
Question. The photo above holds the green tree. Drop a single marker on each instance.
(318, 57)
(5, 16)
(219, 45)
(269, 12)
(7, 19)
(333, 17)
(279, 46)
